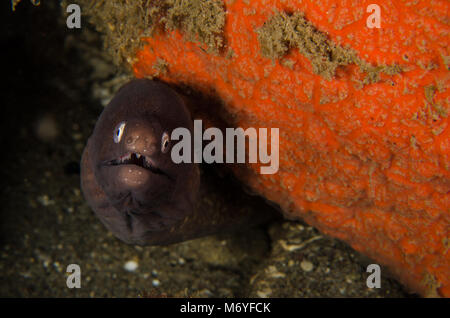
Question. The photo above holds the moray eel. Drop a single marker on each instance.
(130, 181)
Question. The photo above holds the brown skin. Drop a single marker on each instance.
(130, 181)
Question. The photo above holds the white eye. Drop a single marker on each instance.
(118, 132)
(165, 141)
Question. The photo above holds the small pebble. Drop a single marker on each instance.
(57, 266)
(306, 266)
(69, 209)
(205, 293)
(131, 266)
(77, 136)
(265, 293)
(46, 128)
(274, 273)
(45, 200)
(156, 283)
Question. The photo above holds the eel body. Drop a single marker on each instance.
(133, 186)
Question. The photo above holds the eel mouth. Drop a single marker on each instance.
(137, 159)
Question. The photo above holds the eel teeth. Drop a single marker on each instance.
(133, 158)
(147, 162)
(138, 160)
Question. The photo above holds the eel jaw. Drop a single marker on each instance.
(137, 159)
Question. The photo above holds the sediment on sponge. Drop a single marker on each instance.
(124, 23)
(285, 31)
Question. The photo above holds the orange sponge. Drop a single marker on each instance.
(362, 113)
